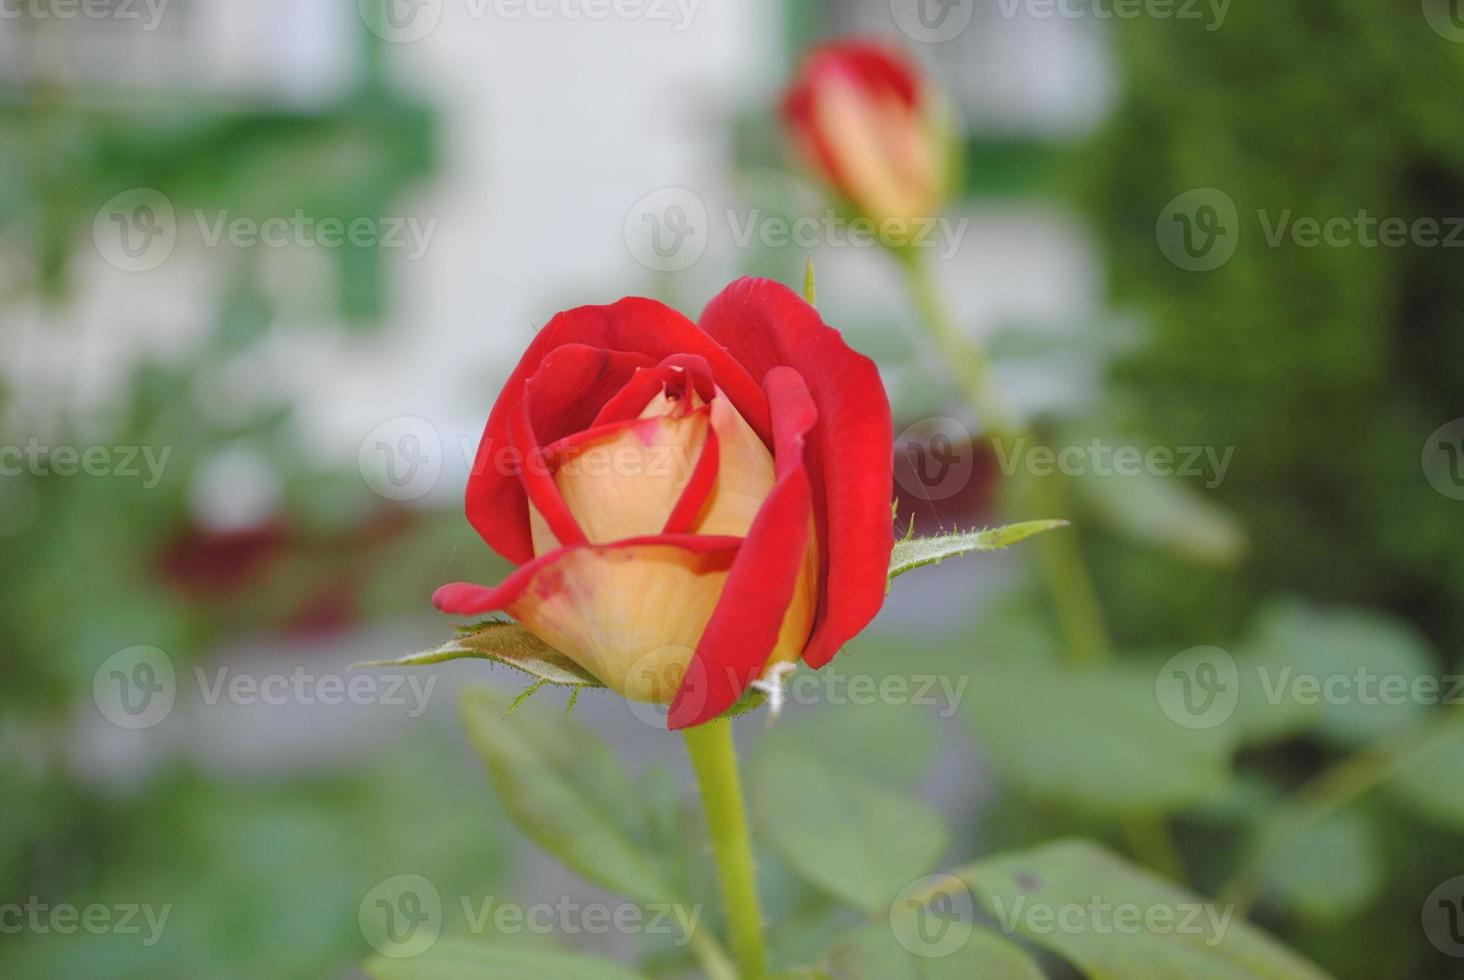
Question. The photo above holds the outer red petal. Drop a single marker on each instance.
(765, 324)
(496, 503)
(744, 629)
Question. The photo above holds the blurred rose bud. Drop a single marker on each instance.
(689, 504)
(874, 128)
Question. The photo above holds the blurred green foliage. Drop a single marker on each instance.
(1326, 367)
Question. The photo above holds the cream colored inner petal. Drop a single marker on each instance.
(625, 485)
(744, 474)
(631, 616)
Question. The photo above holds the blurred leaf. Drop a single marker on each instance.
(889, 743)
(913, 553)
(1067, 897)
(504, 643)
(1325, 870)
(565, 790)
(461, 959)
(1165, 512)
(1429, 777)
(855, 839)
(1098, 740)
(874, 952)
(1354, 670)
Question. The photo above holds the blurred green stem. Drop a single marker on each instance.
(1078, 611)
(1343, 783)
(1085, 635)
(714, 757)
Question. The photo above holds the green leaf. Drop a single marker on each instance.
(1353, 671)
(856, 840)
(874, 952)
(1325, 870)
(462, 959)
(1427, 775)
(1167, 513)
(914, 553)
(1099, 740)
(565, 790)
(504, 643)
(1116, 922)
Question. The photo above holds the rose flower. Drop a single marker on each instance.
(689, 504)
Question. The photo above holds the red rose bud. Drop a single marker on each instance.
(689, 504)
(874, 128)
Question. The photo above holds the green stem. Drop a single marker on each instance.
(1345, 782)
(714, 757)
(1078, 611)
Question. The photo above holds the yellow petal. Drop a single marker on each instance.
(632, 615)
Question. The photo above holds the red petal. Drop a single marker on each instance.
(765, 324)
(743, 630)
(496, 502)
